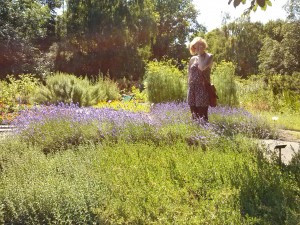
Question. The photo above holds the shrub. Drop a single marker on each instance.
(253, 93)
(111, 88)
(164, 82)
(279, 93)
(55, 128)
(139, 95)
(16, 91)
(286, 92)
(269, 194)
(68, 88)
(119, 167)
(223, 78)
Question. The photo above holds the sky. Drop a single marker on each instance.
(212, 11)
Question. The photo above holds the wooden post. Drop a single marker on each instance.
(279, 147)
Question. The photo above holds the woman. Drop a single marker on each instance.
(199, 74)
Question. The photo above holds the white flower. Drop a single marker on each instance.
(275, 118)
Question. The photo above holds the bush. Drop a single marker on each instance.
(277, 93)
(14, 92)
(111, 88)
(55, 128)
(223, 78)
(164, 82)
(286, 92)
(67, 88)
(253, 93)
(269, 194)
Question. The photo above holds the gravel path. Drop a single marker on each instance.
(5, 130)
(292, 147)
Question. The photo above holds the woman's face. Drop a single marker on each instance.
(201, 47)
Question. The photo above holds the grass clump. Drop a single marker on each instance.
(68, 88)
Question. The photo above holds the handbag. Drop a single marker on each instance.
(212, 92)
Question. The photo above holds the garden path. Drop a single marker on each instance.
(286, 137)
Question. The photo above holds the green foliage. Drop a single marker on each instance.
(174, 27)
(141, 183)
(68, 88)
(254, 4)
(257, 126)
(112, 36)
(112, 91)
(223, 77)
(23, 24)
(254, 94)
(239, 42)
(164, 82)
(286, 92)
(142, 174)
(281, 55)
(266, 194)
(294, 166)
(139, 95)
(16, 91)
(277, 93)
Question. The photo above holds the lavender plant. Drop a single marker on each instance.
(121, 167)
(58, 127)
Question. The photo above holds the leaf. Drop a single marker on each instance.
(255, 7)
(261, 3)
(269, 3)
(236, 3)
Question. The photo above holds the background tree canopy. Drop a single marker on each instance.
(118, 37)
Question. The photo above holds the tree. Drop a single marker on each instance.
(177, 22)
(253, 4)
(107, 36)
(273, 30)
(238, 42)
(21, 23)
(282, 56)
(292, 7)
(271, 57)
(50, 23)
